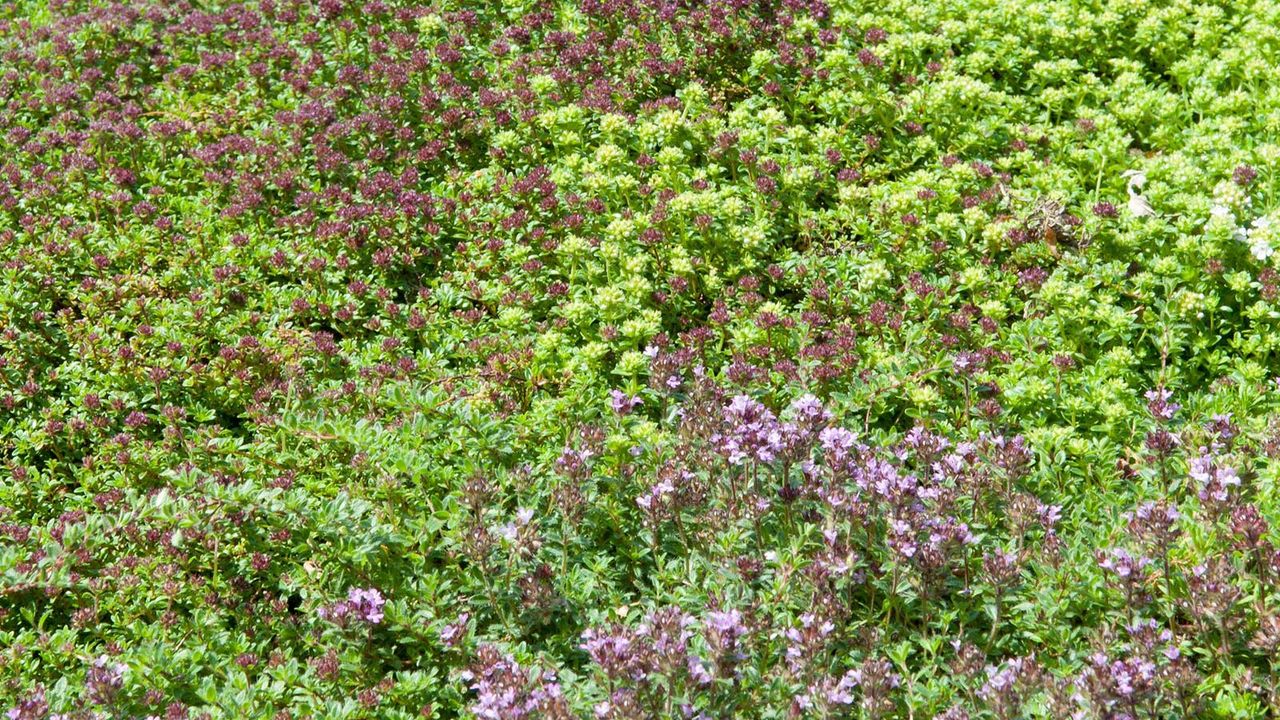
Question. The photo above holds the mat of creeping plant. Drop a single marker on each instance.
(636, 359)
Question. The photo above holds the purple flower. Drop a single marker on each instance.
(699, 671)
(452, 633)
(877, 680)
(104, 680)
(1215, 480)
(902, 538)
(1119, 682)
(33, 707)
(1155, 523)
(1105, 209)
(575, 463)
(1007, 686)
(751, 432)
(869, 59)
(808, 408)
(842, 692)
(667, 630)
(1049, 515)
(829, 692)
(967, 363)
(615, 652)
(367, 604)
(1223, 430)
(1123, 564)
(723, 630)
(726, 624)
(652, 500)
(1001, 566)
(1159, 406)
(622, 403)
(506, 691)
(837, 442)
(1000, 678)
(512, 531)
(884, 479)
(806, 641)
(362, 604)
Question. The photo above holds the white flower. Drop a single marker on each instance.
(1220, 212)
(1261, 249)
(1259, 237)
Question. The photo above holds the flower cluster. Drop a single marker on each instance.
(638, 359)
(364, 605)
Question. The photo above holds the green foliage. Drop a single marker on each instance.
(376, 359)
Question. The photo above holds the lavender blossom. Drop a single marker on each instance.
(506, 691)
(362, 605)
(622, 403)
(1215, 480)
(1159, 406)
(32, 707)
(104, 680)
(751, 432)
(452, 633)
